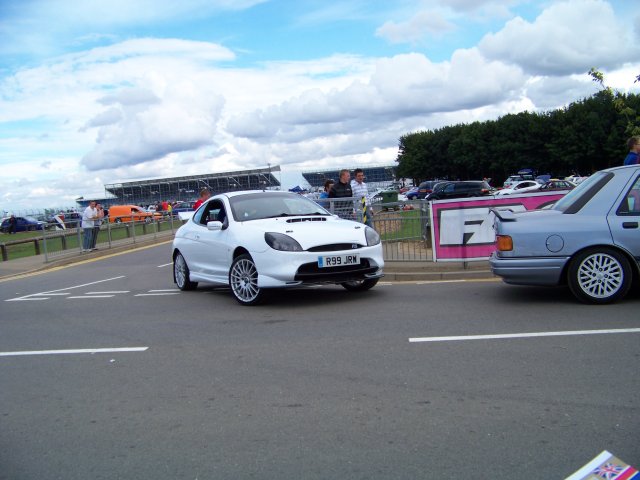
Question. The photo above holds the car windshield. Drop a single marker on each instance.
(579, 196)
(263, 205)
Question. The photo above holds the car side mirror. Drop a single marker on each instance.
(214, 226)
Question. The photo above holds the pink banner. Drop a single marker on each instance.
(462, 229)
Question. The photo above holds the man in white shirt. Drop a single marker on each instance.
(360, 191)
(88, 216)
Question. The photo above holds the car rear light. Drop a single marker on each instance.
(504, 243)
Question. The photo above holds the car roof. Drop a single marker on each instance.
(249, 192)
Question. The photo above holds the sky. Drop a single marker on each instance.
(99, 92)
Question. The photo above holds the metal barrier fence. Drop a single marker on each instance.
(403, 227)
(60, 242)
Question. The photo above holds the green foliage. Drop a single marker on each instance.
(586, 136)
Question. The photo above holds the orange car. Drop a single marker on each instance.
(131, 213)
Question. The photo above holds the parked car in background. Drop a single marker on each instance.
(519, 187)
(412, 193)
(555, 184)
(464, 189)
(23, 224)
(131, 213)
(590, 239)
(425, 188)
(256, 240)
(182, 207)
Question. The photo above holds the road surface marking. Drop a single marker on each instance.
(108, 293)
(523, 335)
(166, 290)
(165, 265)
(155, 294)
(65, 352)
(91, 296)
(55, 292)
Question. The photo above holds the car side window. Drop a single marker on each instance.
(212, 211)
(631, 202)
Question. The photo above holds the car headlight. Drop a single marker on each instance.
(372, 236)
(280, 241)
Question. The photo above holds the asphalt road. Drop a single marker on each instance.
(319, 383)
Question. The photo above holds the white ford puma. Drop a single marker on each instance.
(253, 241)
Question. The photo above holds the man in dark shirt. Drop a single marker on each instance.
(634, 148)
(342, 189)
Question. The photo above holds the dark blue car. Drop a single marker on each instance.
(23, 224)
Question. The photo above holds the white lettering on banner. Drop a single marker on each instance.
(469, 226)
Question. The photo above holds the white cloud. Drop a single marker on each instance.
(413, 30)
(566, 38)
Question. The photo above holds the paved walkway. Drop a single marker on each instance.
(395, 271)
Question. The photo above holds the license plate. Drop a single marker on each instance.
(338, 260)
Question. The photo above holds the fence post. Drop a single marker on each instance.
(44, 244)
(5, 257)
(79, 236)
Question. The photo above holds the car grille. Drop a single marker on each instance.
(334, 247)
(310, 272)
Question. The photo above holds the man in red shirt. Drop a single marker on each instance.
(204, 196)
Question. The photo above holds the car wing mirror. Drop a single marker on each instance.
(213, 226)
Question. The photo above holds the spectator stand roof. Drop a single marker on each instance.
(145, 192)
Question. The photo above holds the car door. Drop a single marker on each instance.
(210, 248)
(625, 220)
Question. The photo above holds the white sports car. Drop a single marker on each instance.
(256, 240)
(523, 186)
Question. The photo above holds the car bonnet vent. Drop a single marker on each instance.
(306, 219)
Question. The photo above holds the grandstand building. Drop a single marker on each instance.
(145, 192)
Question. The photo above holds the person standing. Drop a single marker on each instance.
(361, 192)
(96, 225)
(13, 224)
(325, 193)
(342, 189)
(634, 149)
(204, 196)
(89, 215)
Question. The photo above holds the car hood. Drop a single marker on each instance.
(312, 231)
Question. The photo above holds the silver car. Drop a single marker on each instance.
(590, 239)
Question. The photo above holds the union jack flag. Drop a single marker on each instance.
(608, 471)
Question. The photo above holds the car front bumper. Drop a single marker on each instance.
(529, 271)
(281, 269)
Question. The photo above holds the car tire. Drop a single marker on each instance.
(599, 275)
(118, 220)
(243, 280)
(181, 274)
(360, 285)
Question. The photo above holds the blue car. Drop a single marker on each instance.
(23, 224)
(590, 239)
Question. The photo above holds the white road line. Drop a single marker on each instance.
(63, 352)
(90, 296)
(24, 299)
(54, 292)
(523, 335)
(111, 292)
(165, 265)
(155, 294)
(166, 290)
